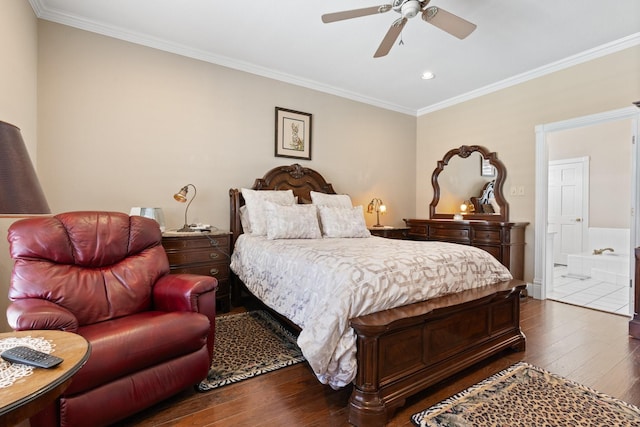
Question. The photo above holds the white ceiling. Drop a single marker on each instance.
(286, 40)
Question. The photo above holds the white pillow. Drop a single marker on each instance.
(292, 222)
(255, 203)
(244, 219)
(334, 200)
(343, 222)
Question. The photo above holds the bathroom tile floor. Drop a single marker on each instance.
(587, 292)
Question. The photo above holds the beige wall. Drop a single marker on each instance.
(18, 73)
(18, 104)
(608, 147)
(504, 122)
(124, 125)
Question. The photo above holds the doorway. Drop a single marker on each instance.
(602, 174)
(543, 278)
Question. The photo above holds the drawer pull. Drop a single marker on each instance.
(213, 271)
(214, 242)
(213, 255)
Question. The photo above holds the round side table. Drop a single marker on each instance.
(30, 394)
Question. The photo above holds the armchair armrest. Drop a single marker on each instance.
(184, 292)
(188, 292)
(33, 313)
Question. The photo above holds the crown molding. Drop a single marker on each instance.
(588, 55)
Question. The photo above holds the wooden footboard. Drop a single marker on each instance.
(407, 349)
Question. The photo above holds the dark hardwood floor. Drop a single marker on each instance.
(584, 345)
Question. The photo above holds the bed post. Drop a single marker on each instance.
(234, 216)
(366, 406)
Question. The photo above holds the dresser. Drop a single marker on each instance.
(206, 254)
(503, 240)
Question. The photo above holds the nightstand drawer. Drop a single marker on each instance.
(390, 232)
(195, 256)
(199, 241)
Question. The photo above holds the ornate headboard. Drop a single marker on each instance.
(295, 177)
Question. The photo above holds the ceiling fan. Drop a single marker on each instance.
(442, 19)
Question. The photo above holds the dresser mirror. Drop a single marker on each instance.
(467, 185)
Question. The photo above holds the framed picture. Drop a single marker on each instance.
(486, 168)
(293, 134)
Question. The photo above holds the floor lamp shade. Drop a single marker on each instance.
(20, 191)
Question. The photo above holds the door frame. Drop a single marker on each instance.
(542, 274)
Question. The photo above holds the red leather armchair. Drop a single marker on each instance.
(104, 275)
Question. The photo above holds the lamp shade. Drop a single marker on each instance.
(377, 206)
(20, 191)
(181, 196)
(154, 213)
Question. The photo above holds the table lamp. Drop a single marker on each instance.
(377, 206)
(181, 196)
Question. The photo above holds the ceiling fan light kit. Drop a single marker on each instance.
(407, 9)
(410, 8)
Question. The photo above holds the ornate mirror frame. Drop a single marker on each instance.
(501, 174)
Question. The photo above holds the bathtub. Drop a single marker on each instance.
(610, 267)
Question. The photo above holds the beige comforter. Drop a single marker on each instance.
(320, 284)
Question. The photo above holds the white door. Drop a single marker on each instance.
(567, 206)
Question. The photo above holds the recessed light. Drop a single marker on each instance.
(428, 75)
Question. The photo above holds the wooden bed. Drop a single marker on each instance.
(404, 350)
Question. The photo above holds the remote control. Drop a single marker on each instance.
(31, 357)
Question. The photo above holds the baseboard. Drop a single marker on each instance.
(535, 290)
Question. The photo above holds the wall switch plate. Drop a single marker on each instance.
(521, 190)
(513, 191)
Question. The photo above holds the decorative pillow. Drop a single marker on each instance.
(343, 222)
(334, 200)
(255, 200)
(244, 219)
(292, 222)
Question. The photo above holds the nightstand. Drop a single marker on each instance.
(204, 253)
(390, 232)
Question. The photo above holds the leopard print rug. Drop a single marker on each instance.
(249, 344)
(524, 395)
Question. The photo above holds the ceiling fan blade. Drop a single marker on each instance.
(390, 37)
(355, 13)
(448, 22)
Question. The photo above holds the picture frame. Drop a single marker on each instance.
(486, 168)
(293, 134)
